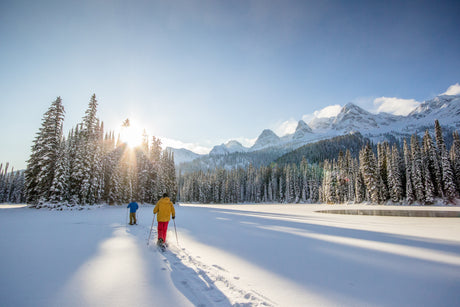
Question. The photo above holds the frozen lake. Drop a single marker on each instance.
(407, 213)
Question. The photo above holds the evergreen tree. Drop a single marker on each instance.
(17, 191)
(455, 158)
(394, 176)
(90, 154)
(156, 186)
(450, 190)
(417, 173)
(3, 182)
(41, 165)
(289, 194)
(59, 187)
(408, 166)
(143, 169)
(368, 169)
(382, 152)
(431, 162)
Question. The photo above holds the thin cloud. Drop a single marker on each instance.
(453, 90)
(246, 142)
(329, 111)
(286, 127)
(196, 148)
(395, 106)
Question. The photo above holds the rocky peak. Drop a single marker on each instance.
(266, 139)
(302, 130)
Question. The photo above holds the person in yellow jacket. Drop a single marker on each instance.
(165, 210)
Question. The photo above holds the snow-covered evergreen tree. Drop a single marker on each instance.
(416, 172)
(455, 158)
(382, 160)
(431, 162)
(90, 160)
(11, 185)
(59, 188)
(395, 177)
(410, 197)
(143, 169)
(41, 165)
(368, 167)
(450, 190)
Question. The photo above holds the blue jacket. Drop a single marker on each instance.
(133, 207)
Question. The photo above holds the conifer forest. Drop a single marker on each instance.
(422, 171)
(92, 166)
(89, 166)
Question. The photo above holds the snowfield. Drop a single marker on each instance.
(229, 255)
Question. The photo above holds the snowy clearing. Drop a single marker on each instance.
(240, 255)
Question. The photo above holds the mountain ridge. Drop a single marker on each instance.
(352, 119)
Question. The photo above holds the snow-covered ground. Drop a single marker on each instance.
(243, 255)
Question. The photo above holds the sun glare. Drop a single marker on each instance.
(131, 134)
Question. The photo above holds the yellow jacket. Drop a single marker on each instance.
(165, 209)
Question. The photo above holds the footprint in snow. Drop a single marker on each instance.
(219, 267)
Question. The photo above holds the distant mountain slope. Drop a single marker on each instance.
(445, 108)
(267, 139)
(233, 160)
(326, 149)
(183, 155)
(227, 148)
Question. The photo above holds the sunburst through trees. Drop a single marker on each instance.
(91, 166)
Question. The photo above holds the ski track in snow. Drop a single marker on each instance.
(203, 284)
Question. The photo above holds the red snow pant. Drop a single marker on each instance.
(162, 229)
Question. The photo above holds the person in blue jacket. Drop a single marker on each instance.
(133, 206)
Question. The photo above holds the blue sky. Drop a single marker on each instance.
(198, 73)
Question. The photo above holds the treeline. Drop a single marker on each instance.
(90, 166)
(237, 159)
(264, 184)
(421, 172)
(11, 185)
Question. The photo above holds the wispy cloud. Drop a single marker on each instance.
(396, 106)
(246, 142)
(453, 90)
(329, 111)
(195, 147)
(286, 127)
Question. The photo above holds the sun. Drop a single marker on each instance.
(131, 133)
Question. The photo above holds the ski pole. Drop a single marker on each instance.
(148, 241)
(127, 216)
(175, 230)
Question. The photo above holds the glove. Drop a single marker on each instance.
(173, 217)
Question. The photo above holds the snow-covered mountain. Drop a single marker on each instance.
(268, 138)
(183, 155)
(302, 131)
(445, 108)
(228, 148)
(352, 118)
